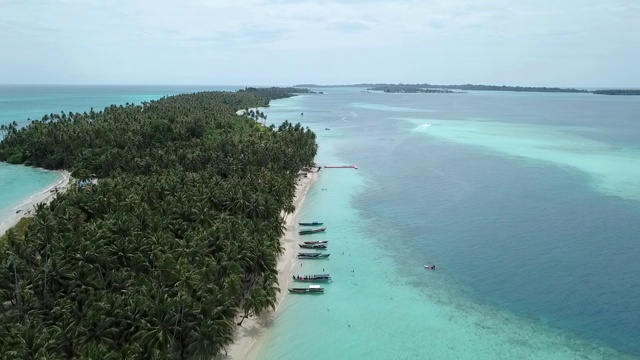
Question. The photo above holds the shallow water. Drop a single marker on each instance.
(534, 235)
(18, 184)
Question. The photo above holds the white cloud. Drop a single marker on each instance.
(395, 37)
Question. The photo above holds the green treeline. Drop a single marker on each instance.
(411, 89)
(469, 87)
(177, 241)
(508, 88)
(279, 91)
(430, 88)
(618, 92)
(464, 87)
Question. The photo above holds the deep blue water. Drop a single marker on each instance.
(534, 235)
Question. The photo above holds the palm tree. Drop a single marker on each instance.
(180, 235)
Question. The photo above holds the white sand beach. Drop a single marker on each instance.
(27, 207)
(249, 336)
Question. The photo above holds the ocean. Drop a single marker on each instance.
(527, 203)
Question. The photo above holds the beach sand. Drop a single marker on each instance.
(28, 207)
(250, 335)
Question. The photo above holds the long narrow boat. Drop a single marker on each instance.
(312, 256)
(316, 242)
(312, 289)
(315, 223)
(312, 231)
(313, 246)
(312, 278)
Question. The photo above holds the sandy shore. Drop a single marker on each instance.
(251, 334)
(28, 206)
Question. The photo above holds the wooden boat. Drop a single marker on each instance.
(312, 231)
(312, 278)
(315, 223)
(312, 256)
(432, 267)
(313, 289)
(316, 242)
(313, 246)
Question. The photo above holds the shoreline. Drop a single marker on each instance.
(27, 207)
(250, 336)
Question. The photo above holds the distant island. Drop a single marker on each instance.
(412, 89)
(431, 88)
(617, 92)
(282, 90)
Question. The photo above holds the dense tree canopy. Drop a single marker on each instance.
(178, 239)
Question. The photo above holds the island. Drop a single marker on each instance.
(617, 92)
(171, 238)
(464, 87)
(411, 89)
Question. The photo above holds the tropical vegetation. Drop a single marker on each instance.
(173, 245)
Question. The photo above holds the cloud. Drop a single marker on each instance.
(398, 36)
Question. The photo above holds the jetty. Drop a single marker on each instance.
(341, 166)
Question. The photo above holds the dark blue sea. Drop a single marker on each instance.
(528, 203)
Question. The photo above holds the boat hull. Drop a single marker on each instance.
(312, 278)
(306, 291)
(312, 256)
(313, 246)
(314, 231)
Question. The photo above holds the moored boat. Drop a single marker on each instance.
(312, 278)
(317, 242)
(312, 256)
(315, 223)
(313, 246)
(312, 231)
(311, 289)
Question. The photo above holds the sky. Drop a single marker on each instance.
(567, 43)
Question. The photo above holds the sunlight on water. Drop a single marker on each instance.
(615, 171)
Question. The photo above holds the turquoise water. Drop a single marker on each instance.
(22, 102)
(527, 203)
(18, 183)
